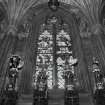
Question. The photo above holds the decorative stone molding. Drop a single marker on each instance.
(84, 28)
(7, 30)
(12, 29)
(23, 35)
(97, 29)
(85, 34)
(74, 10)
(3, 29)
(24, 29)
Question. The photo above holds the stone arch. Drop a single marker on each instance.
(69, 18)
(38, 19)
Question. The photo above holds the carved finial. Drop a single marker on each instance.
(53, 4)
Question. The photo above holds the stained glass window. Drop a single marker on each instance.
(50, 58)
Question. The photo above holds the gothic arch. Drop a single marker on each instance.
(70, 19)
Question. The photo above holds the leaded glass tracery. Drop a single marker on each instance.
(64, 49)
(44, 59)
(53, 51)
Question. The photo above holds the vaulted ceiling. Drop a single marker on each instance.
(16, 10)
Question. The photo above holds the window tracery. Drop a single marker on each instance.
(44, 54)
(46, 49)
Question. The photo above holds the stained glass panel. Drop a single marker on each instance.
(53, 51)
(64, 49)
(44, 60)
